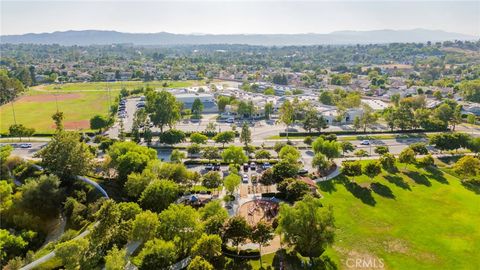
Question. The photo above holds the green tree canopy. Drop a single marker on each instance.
(307, 226)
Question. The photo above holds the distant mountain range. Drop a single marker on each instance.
(91, 37)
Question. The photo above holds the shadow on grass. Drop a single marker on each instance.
(472, 185)
(327, 186)
(418, 178)
(398, 181)
(382, 190)
(362, 193)
(437, 175)
(291, 261)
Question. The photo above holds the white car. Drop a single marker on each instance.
(245, 178)
(365, 142)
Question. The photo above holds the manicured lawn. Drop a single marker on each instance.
(116, 85)
(36, 108)
(413, 219)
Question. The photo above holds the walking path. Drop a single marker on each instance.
(50, 255)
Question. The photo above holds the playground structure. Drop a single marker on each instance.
(260, 209)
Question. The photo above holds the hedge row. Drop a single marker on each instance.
(351, 132)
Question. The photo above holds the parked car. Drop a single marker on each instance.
(230, 120)
(142, 98)
(253, 166)
(216, 167)
(365, 142)
(209, 167)
(25, 145)
(245, 178)
(266, 165)
(254, 178)
(302, 172)
(245, 167)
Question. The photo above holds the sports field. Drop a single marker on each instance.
(78, 101)
(414, 219)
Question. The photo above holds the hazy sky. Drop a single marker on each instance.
(220, 17)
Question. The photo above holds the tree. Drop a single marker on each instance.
(382, 149)
(197, 108)
(128, 157)
(368, 117)
(213, 215)
(289, 152)
(158, 195)
(234, 155)
(222, 102)
(211, 179)
(145, 226)
(372, 169)
(443, 113)
(388, 162)
(267, 178)
(471, 119)
(157, 254)
(467, 166)
(246, 135)
(357, 123)
(42, 196)
(286, 114)
(71, 252)
(407, 156)
(314, 121)
(99, 122)
(66, 156)
(236, 230)
(427, 161)
(208, 247)
(262, 234)
(284, 169)
(294, 189)
(164, 109)
(474, 145)
(58, 119)
(194, 148)
(321, 162)
(198, 263)
(224, 137)
(137, 182)
(172, 136)
(307, 226)
(198, 138)
(268, 109)
(211, 152)
(11, 245)
(115, 259)
(326, 97)
(263, 154)
(351, 168)
(361, 153)
(419, 148)
(182, 224)
(331, 149)
(231, 182)
(177, 156)
(346, 147)
(20, 131)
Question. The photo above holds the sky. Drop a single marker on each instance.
(235, 17)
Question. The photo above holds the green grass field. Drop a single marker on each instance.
(414, 219)
(36, 108)
(78, 101)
